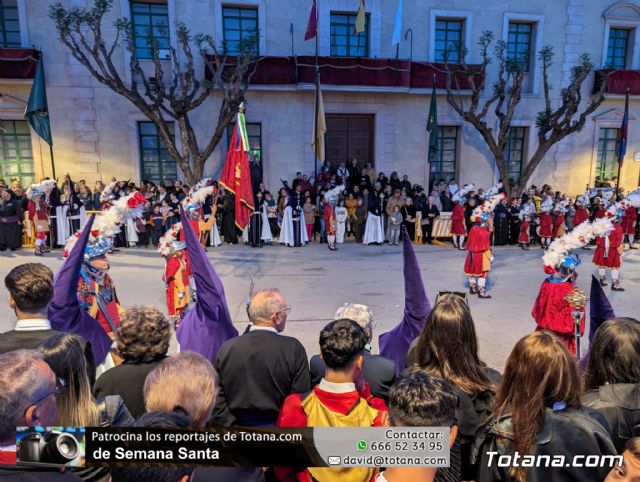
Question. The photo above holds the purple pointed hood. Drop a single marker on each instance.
(64, 310)
(600, 311)
(395, 343)
(207, 325)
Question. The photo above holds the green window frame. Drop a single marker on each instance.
(150, 20)
(519, 44)
(155, 162)
(256, 161)
(444, 166)
(514, 152)
(240, 25)
(618, 47)
(344, 42)
(607, 161)
(449, 40)
(9, 24)
(16, 152)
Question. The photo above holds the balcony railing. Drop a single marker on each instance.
(360, 71)
(18, 63)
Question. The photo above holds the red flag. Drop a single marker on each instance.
(312, 26)
(237, 178)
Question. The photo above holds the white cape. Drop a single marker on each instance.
(374, 230)
(63, 228)
(131, 234)
(265, 235)
(286, 233)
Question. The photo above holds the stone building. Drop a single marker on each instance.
(376, 95)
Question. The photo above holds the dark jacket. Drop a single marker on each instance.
(258, 370)
(126, 380)
(565, 432)
(377, 370)
(430, 210)
(620, 405)
(447, 203)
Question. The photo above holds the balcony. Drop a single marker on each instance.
(18, 63)
(619, 82)
(402, 75)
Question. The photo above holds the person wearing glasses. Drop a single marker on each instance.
(259, 369)
(27, 397)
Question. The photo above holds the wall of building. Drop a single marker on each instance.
(95, 130)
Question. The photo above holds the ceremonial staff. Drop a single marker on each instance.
(577, 300)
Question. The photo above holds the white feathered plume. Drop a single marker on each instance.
(167, 239)
(488, 206)
(107, 192)
(44, 187)
(579, 237)
(492, 191)
(466, 189)
(200, 191)
(333, 194)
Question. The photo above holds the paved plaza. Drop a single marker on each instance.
(315, 282)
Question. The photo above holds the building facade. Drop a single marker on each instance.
(376, 95)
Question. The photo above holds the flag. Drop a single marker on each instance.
(599, 308)
(432, 124)
(312, 26)
(395, 343)
(621, 142)
(236, 177)
(397, 29)
(64, 311)
(317, 143)
(37, 112)
(207, 325)
(360, 19)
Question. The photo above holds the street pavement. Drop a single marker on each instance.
(316, 282)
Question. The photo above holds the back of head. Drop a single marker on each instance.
(361, 314)
(448, 346)
(23, 380)
(539, 372)
(263, 305)
(341, 342)
(30, 285)
(143, 335)
(166, 420)
(186, 380)
(64, 354)
(421, 400)
(615, 354)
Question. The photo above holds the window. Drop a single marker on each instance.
(16, 152)
(344, 41)
(519, 44)
(444, 165)
(240, 28)
(617, 48)
(9, 24)
(155, 161)
(254, 131)
(150, 20)
(607, 161)
(448, 40)
(514, 153)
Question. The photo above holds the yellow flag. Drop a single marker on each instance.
(360, 18)
(317, 136)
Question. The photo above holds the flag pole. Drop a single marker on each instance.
(315, 114)
(53, 164)
(626, 109)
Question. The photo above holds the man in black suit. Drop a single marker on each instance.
(378, 371)
(259, 369)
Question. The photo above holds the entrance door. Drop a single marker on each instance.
(349, 136)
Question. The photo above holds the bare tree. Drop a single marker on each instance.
(171, 89)
(552, 124)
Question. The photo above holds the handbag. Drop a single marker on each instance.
(41, 225)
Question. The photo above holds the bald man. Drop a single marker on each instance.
(259, 369)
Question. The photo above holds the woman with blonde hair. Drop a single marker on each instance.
(538, 413)
(75, 404)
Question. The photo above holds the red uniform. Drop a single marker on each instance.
(581, 216)
(558, 226)
(609, 257)
(600, 213)
(629, 220)
(108, 296)
(552, 312)
(177, 280)
(545, 228)
(524, 237)
(329, 220)
(478, 261)
(457, 221)
(39, 218)
(195, 224)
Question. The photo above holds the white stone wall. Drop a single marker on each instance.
(94, 130)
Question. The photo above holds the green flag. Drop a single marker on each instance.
(37, 112)
(432, 125)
